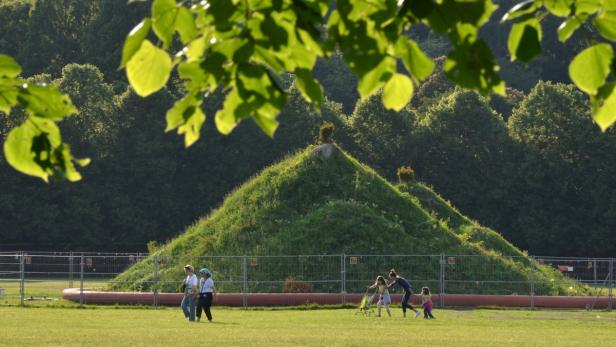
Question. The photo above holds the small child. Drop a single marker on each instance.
(384, 298)
(426, 302)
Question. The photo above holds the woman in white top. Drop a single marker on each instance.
(384, 298)
(190, 293)
(206, 294)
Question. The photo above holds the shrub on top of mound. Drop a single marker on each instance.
(312, 203)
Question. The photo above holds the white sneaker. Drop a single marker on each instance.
(416, 314)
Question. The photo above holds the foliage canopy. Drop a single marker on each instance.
(240, 47)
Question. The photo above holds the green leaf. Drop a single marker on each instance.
(414, 59)
(397, 92)
(8, 66)
(300, 57)
(560, 8)
(265, 56)
(587, 7)
(308, 86)
(168, 18)
(371, 81)
(312, 44)
(472, 65)
(46, 101)
(164, 14)
(83, 162)
(186, 115)
(232, 112)
(569, 26)
(606, 24)
(194, 77)
(521, 9)
(8, 94)
(256, 95)
(36, 149)
(134, 40)
(525, 40)
(604, 113)
(590, 68)
(462, 33)
(252, 79)
(452, 12)
(65, 167)
(418, 8)
(149, 69)
(267, 124)
(18, 150)
(185, 25)
(195, 49)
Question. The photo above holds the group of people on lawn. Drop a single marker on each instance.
(199, 294)
(382, 288)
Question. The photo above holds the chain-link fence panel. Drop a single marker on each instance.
(10, 279)
(32, 278)
(470, 274)
(420, 270)
(294, 274)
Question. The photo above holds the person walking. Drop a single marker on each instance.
(189, 286)
(402, 282)
(206, 294)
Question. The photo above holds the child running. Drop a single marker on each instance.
(384, 298)
(402, 282)
(426, 302)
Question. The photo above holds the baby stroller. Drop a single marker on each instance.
(365, 306)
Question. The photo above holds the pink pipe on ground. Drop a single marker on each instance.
(297, 299)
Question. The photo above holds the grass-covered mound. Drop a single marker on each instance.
(309, 204)
(461, 225)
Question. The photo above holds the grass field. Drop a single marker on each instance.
(323, 327)
(35, 290)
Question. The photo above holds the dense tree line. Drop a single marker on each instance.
(531, 164)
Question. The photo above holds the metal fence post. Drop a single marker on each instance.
(441, 296)
(70, 270)
(609, 307)
(155, 283)
(532, 283)
(81, 296)
(22, 277)
(343, 278)
(245, 282)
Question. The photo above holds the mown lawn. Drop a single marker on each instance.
(108, 326)
(42, 292)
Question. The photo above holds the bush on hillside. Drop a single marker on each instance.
(292, 285)
(326, 132)
(406, 174)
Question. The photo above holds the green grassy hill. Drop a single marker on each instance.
(308, 204)
(459, 224)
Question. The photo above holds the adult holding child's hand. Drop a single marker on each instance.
(402, 282)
